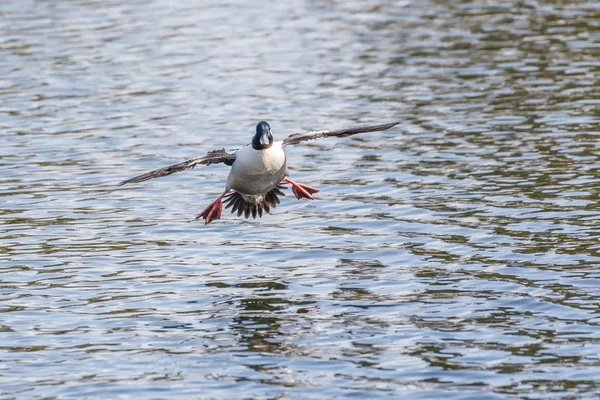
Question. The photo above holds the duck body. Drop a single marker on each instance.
(255, 180)
(256, 172)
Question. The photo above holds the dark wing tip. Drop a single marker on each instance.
(137, 179)
(144, 177)
(373, 128)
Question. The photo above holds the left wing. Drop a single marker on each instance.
(212, 157)
(301, 137)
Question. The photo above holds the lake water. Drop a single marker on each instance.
(456, 255)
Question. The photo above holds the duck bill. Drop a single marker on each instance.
(264, 139)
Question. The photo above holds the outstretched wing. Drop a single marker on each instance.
(212, 157)
(301, 137)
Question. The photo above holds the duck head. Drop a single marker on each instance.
(263, 139)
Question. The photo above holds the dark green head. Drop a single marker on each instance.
(263, 139)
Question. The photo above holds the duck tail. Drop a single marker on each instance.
(253, 205)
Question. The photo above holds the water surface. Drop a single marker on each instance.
(453, 256)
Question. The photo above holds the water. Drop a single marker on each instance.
(453, 256)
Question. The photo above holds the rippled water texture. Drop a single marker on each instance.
(455, 255)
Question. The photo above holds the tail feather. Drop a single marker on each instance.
(253, 205)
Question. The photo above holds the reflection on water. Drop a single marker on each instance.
(455, 255)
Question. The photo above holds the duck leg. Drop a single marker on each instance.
(301, 190)
(214, 209)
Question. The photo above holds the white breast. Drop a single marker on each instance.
(257, 171)
(256, 162)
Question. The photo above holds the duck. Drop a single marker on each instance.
(259, 171)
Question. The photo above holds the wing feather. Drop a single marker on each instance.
(212, 157)
(301, 137)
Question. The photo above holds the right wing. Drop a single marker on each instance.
(212, 157)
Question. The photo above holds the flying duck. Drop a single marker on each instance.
(258, 171)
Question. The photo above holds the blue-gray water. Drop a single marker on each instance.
(455, 255)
